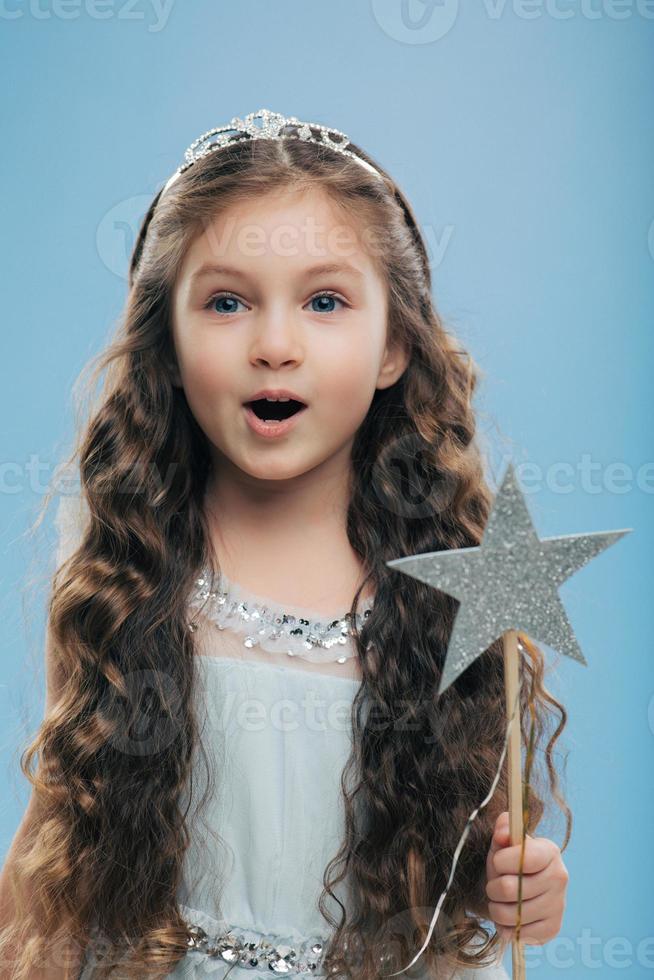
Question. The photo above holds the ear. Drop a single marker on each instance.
(394, 364)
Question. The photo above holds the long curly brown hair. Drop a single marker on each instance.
(104, 860)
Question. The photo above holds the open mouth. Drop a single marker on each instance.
(275, 411)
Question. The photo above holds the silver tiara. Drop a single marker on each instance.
(269, 129)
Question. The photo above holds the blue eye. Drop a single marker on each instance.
(229, 297)
(223, 296)
(328, 296)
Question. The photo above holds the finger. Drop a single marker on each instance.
(533, 910)
(539, 853)
(553, 880)
(505, 887)
(500, 836)
(502, 832)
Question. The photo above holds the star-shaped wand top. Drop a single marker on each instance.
(509, 582)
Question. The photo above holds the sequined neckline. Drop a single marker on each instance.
(276, 627)
(233, 590)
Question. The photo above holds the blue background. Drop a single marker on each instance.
(522, 135)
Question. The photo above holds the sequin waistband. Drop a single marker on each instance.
(234, 946)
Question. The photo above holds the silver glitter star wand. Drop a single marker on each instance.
(508, 583)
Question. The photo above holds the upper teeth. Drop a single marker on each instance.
(278, 399)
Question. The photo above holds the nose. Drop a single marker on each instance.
(277, 338)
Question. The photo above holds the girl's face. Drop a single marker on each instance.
(251, 310)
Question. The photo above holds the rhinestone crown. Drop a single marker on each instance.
(270, 128)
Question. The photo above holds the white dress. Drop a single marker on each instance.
(279, 681)
(276, 684)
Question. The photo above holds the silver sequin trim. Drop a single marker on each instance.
(292, 634)
(235, 947)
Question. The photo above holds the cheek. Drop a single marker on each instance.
(208, 386)
(206, 371)
(348, 377)
(210, 377)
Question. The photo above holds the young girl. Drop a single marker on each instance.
(243, 763)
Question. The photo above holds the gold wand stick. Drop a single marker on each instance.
(516, 826)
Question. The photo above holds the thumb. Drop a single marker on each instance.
(501, 835)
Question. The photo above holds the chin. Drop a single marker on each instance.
(273, 471)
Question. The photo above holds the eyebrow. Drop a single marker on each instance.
(329, 268)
